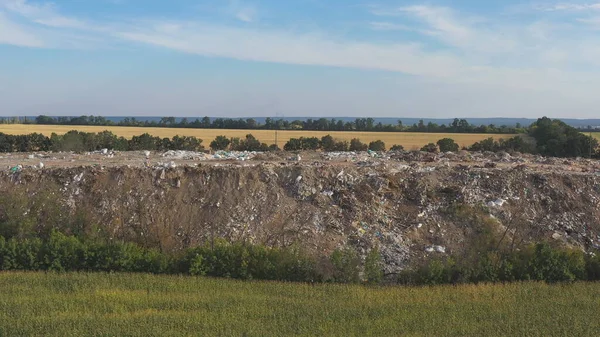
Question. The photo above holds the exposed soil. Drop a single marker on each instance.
(411, 205)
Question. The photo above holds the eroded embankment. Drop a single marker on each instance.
(409, 212)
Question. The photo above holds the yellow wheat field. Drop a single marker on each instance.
(407, 139)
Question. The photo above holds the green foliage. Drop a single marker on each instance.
(538, 262)
(357, 145)
(328, 143)
(243, 261)
(346, 264)
(447, 145)
(377, 145)
(557, 139)
(220, 143)
(294, 144)
(397, 148)
(431, 147)
(373, 267)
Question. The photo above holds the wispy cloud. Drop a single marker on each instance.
(45, 14)
(243, 11)
(565, 6)
(459, 47)
(15, 34)
(388, 26)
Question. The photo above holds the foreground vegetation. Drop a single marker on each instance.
(51, 304)
(59, 252)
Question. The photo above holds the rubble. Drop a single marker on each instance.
(401, 202)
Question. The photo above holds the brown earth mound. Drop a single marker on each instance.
(410, 205)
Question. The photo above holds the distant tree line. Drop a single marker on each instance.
(321, 124)
(85, 141)
(546, 137)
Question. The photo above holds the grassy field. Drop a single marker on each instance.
(34, 304)
(408, 140)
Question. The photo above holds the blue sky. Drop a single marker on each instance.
(240, 58)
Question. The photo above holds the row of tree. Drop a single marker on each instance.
(59, 253)
(545, 137)
(321, 124)
(328, 143)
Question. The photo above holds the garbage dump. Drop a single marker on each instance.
(411, 205)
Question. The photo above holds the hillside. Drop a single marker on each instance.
(412, 205)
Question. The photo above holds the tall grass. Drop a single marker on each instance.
(101, 304)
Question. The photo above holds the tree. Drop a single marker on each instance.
(377, 145)
(373, 267)
(447, 145)
(144, 142)
(294, 144)
(488, 144)
(249, 144)
(357, 145)
(310, 143)
(327, 143)
(220, 143)
(432, 148)
(397, 148)
(341, 146)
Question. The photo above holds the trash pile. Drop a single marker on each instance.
(412, 205)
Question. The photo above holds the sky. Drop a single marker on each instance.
(310, 58)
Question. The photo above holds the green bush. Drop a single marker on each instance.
(346, 264)
(447, 145)
(373, 267)
(377, 145)
(431, 148)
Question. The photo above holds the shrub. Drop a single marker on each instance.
(373, 267)
(397, 148)
(357, 145)
(377, 145)
(432, 148)
(294, 144)
(346, 264)
(447, 145)
(328, 143)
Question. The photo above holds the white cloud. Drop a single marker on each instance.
(568, 7)
(243, 12)
(388, 26)
(14, 34)
(459, 48)
(291, 48)
(45, 14)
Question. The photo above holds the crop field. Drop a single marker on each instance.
(594, 134)
(52, 304)
(407, 139)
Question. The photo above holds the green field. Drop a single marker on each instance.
(35, 304)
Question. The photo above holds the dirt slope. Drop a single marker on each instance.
(411, 205)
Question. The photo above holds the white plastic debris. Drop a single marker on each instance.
(435, 248)
(78, 177)
(497, 203)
